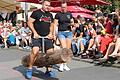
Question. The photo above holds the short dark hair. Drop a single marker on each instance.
(64, 2)
(110, 16)
(75, 21)
(45, 0)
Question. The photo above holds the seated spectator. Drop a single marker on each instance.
(117, 48)
(112, 51)
(113, 46)
(19, 41)
(93, 34)
(5, 35)
(105, 40)
(1, 30)
(11, 41)
(77, 35)
(108, 26)
(26, 35)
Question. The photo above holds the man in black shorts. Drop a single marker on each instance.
(40, 25)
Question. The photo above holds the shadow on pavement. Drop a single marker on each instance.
(55, 67)
(36, 73)
(76, 58)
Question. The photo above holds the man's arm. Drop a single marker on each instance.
(55, 25)
(31, 26)
(72, 22)
(52, 28)
(51, 33)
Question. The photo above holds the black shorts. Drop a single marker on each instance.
(48, 43)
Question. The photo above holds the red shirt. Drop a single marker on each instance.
(108, 27)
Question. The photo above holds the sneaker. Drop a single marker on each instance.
(20, 48)
(76, 55)
(29, 74)
(66, 67)
(25, 47)
(81, 52)
(50, 74)
(90, 49)
(61, 68)
(28, 48)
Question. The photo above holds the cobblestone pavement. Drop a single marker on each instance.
(11, 69)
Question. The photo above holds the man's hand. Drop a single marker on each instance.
(50, 36)
(54, 37)
(36, 36)
(74, 38)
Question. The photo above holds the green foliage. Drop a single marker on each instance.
(115, 4)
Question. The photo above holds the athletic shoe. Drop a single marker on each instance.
(61, 68)
(65, 67)
(29, 74)
(51, 74)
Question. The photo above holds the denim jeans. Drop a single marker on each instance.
(74, 47)
(83, 40)
(65, 34)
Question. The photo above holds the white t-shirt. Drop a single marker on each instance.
(25, 31)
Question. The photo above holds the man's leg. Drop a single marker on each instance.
(63, 44)
(49, 46)
(33, 57)
(68, 43)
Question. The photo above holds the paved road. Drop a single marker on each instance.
(11, 69)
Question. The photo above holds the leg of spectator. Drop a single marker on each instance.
(78, 45)
(117, 45)
(5, 42)
(74, 47)
(91, 42)
(110, 49)
(81, 46)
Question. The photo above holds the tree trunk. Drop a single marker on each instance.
(51, 58)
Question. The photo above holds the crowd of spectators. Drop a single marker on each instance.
(18, 35)
(97, 38)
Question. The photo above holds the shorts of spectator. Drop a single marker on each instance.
(105, 40)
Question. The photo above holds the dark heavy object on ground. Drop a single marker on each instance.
(51, 58)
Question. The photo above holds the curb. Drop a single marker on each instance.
(115, 65)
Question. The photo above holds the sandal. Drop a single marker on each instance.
(102, 60)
